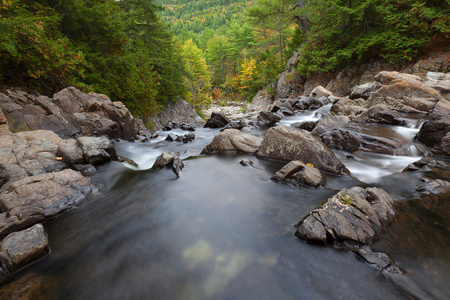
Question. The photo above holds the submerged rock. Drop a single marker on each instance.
(22, 248)
(286, 144)
(436, 186)
(353, 215)
(233, 140)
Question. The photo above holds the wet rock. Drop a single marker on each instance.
(127, 160)
(353, 215)
(425, 164)
(444, 146)
(265, 119)
(308, 126)
(432, 132)
(22, 248)
(380, 114)
(246, 162)
(171, 137)
(282, 110)
(217, 120)
(233, 140)
(429, 186)
(53, 192)
(347, 107)
(311, 103)
(97, 150)
(377, 260)
(20, 218)
(364, 91)
(296, 172)
(329, 122)
(236, 124)
(167, 159)
(187, 127)
(349, 140)
(286, 144)
(189, 137)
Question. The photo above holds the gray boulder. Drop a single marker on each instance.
(217, 120)
(167, 159)
(364, 91)
(233, 140)
(353, 215)
(286, 144)
(433, 132)
(297, 173)
(97, 150)
(437, 186)
(20, 218)
(266, 118)
(53, 192)
(22, 248)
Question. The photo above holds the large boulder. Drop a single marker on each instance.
(433, 132)
(22, 248)
(287, 84)
(348, 107)
(217, 120)
(266, 118)
(363, 91)
(297, 173)
(355, 215)
(167, 159)
(262, 99)
(233, 140)
(70, 113)
(285, 144)
(406, 93)
(52, 192)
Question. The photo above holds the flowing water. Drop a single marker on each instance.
(225, 231)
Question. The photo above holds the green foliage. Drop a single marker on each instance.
(346, 199)
(349, 31)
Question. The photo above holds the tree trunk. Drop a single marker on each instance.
(303, 21)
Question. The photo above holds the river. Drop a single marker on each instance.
(225, 231)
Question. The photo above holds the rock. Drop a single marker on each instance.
(246, 162)
(239, 124)
(311, 103)
(20, 218)
(233, 140)
(380, 114)
(266, 118)
(347, 107)
(406, 93)
(4, 175)
(282, 110)
(377, 260)
(437, 186)
(97, 150)
(70, 152)
(128, 161)
(319, 92)
(364, 91)
(167, 159)
(329, 122)
(287, 84)
(353, 215)
(171, 137)
(443, 147)
(308, 126)
(22, 248)
(432, 132)
(424, 164)
(286, 144)
(189, 137)
(187, 127)
(177, 112)
(217, 120)
(262, 99)
(52, 192)
(351, 141)
(298, 173)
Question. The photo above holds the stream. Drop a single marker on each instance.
(226, 231)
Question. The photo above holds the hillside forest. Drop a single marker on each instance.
(146, 52)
